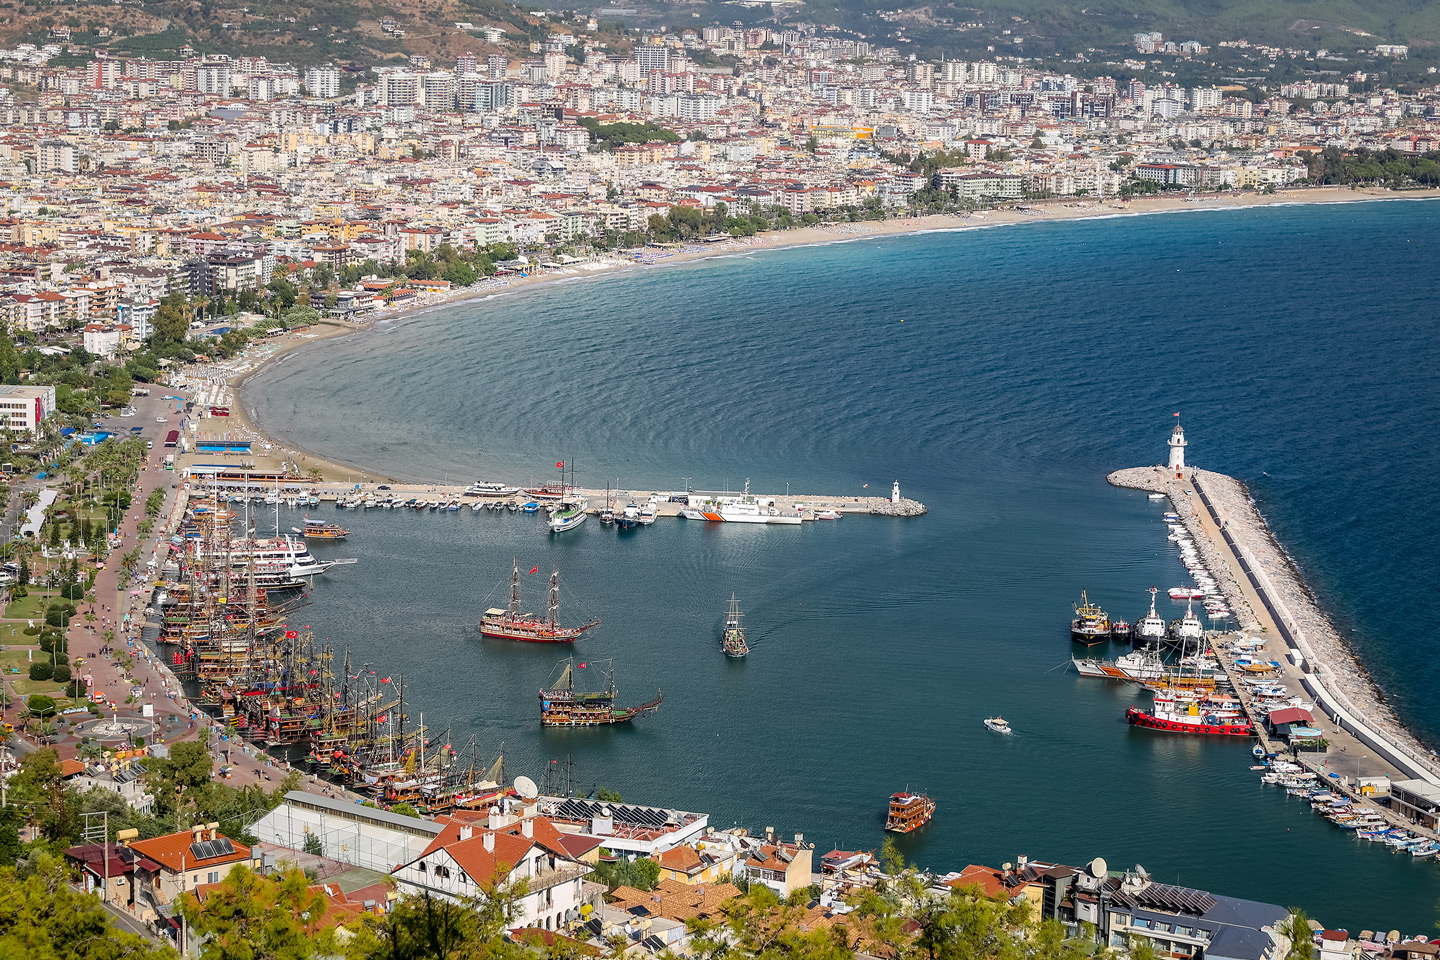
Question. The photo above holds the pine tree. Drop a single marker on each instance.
(24, 575)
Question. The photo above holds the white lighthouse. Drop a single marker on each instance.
(895, 492)
(1177, 451)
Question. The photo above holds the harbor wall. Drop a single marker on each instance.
(1329, 671)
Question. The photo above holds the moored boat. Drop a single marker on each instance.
(1091, 625)
(563, 706)
(1195, 716)
(323, 530)
(1151, 629)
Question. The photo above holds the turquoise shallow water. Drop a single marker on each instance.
(1298, 342)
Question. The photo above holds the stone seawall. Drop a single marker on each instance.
(1248, 549)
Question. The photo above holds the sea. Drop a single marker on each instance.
(999, 374)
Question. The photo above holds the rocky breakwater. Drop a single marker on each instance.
(1216, 559)
(1221, 516)
(903, 508)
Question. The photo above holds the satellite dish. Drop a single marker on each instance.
(526, 788)
(1098, 868)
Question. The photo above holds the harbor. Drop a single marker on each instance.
(1345, 748)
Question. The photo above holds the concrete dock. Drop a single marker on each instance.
(1271, 602)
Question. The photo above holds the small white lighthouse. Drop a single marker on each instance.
(1177, 451)
(895, 492)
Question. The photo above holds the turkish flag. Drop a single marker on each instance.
(561, 464)
(535, 569)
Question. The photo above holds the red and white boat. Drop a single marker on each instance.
(1186, 593)
(1174, 716)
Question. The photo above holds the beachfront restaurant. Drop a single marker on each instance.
(1417, 800)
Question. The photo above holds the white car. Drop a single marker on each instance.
(162, 420)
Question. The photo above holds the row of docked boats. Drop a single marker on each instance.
(1092, 625)
(1344, 812)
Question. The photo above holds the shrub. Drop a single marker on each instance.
(62, 673)
(41, 671)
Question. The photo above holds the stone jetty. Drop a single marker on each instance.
(1268, 595)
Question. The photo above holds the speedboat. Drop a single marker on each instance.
(997, 724)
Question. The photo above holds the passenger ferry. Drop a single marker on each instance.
(280, 562)
(908, 812)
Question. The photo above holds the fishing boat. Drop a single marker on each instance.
(628, 518)
(1121, 630)
(323, 530)
(1090, 625)
(510, 624)
(733, 639)
(908, 812)
(563, 706)
(647, 514)
(1151, 629)
(1195, 716)
(998, 724)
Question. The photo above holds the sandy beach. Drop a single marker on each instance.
(227, 378)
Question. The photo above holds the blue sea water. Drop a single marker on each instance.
(999, 374)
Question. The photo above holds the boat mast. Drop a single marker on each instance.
(515, 589)
(555, 596)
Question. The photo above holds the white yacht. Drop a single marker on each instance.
(483, 488)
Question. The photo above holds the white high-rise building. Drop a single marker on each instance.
(323, 82)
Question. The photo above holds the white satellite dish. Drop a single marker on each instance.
(526, 788)
(1098, 868)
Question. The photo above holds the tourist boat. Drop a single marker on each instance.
(1188, 627)
(1090, 625)
(531, 507)
(647, 514)
(908, 812)
(485, 489)
(279, 563)
(1151, 629)
(324, 530)
(1175, 716)
(1120, 630)
(510, 624)
(570, 515)
(562, 706)
(998, 724)
(733, 637)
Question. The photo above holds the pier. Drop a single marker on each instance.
(1267, 595)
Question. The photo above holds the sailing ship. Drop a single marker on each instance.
(563, 706)
(734, 643)
(510, 624)
(908, 812)
(1090, 625)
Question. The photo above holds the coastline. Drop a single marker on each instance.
(233, 376)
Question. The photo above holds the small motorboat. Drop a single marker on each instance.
(827, 514)
(998, 724)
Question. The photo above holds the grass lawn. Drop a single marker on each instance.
(16, 658)
(31, 607)
(28, 687)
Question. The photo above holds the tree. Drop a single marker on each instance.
(170, 326)
(43, 918)
(23, 577)
(256, 918)
(11, 849)
(180, 780)
(1302, 942)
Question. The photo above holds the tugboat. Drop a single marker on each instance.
(1090, 625)
(1151, 629)
(1120, 630)
(562, 706)
(510, 624)
(908, 812)
(1188, 628)
(734, 643)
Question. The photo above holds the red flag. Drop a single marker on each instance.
(535, 569)
(560, 465)
(1177, 414)
(582, 666)
(386, 680)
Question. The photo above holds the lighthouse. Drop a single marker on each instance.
(1177, 451)
(895, 492)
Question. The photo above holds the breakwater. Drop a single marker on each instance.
(1268, 595)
